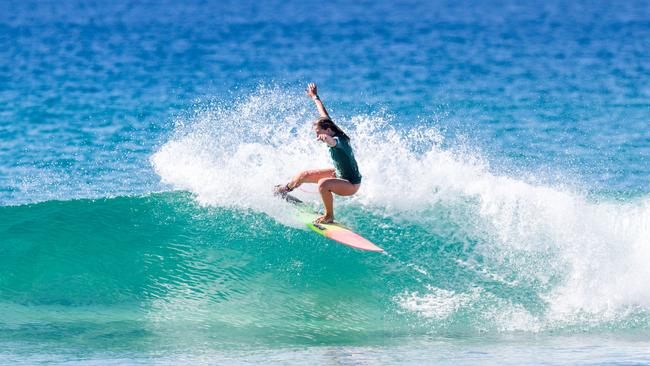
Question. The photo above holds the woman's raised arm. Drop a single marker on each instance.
(312, 92)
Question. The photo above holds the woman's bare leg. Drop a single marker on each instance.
(327, 186)
(310, 176)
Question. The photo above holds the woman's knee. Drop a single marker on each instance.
(302, 176)
(324, 185)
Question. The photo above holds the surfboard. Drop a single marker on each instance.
(336, 231)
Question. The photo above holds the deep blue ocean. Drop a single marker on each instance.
(504, 145)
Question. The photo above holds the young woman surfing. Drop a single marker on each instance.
(344, 179)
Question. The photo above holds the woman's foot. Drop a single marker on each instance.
(325, 219)
(282, 190)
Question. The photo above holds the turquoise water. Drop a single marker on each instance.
(505, 152)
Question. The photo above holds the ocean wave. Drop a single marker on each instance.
(578, 254)
(468, 250)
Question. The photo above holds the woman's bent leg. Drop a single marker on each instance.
(310, 176)
(327, 186)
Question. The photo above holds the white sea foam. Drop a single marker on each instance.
(582, 255)
(436, 303)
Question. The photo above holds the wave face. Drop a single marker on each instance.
(163, 266)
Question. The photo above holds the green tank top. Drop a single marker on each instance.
(344, 161)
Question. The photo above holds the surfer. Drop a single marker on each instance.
(344, 179)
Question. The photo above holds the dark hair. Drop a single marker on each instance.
(325, 123)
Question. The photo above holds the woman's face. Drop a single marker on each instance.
(320, 131)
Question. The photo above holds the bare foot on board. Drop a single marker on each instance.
(325, 219)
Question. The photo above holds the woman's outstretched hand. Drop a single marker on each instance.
(311, 90)
(313, 94)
